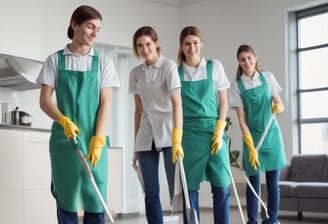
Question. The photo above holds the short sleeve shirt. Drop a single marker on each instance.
(153, 84)
(107, 72)
(220, 80)
(235, 99)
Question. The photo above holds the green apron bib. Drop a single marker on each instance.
(78, 99)
(257, 106)
(200, 112)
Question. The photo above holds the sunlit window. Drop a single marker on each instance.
(312, 50)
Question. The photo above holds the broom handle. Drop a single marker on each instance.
(92, 180)
(259, 144)
(184, 182)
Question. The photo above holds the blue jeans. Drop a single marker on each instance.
(272, 183)
(148, 162)
(221, 205)
(65, 217)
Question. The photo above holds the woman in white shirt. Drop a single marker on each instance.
(158, 117)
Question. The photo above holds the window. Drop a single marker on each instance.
(121, 121)
(312, 88)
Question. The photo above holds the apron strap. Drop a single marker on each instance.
(95, 60)
(209, 68)
(180, 70)
(61, 60)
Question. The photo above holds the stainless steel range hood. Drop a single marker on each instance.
(19, 73)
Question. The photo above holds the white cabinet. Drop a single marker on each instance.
(37, 177)
(11, 160)
(25, 174)
(25, 196)
(11, 176)
(115, 180)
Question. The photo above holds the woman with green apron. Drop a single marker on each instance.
(255, 96)
(83, 81)
(205, 105)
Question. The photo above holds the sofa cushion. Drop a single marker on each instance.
(324, 177)
(311, 190)
(307, 168)
(287, 188)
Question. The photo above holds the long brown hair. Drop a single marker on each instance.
(188, 30)
(145, 31)
(80, 15)
(249, 49)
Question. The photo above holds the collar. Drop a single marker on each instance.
(245, 77)
(68, 52)
(202, 64)
(157, 64)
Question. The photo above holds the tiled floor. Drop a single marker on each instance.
(235, 218)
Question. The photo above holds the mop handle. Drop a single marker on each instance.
(184, 182)
(256, 195)
(92, 180)
(259, 144)
(236, 194)
(237, 198)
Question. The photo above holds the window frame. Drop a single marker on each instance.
(310, 12)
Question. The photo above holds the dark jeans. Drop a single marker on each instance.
(65, 217)
(272, 183)
(148, 162)
(221, 205)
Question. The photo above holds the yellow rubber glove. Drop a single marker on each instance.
(253, 154)
(217, 141)
(94, 153)
(70, 129)
(277, 108)
(176, 144)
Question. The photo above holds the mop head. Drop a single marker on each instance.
(173, 219)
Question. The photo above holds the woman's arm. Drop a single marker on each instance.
(177, 110)
(46, 103)
(104, 110)
(224, 104)
(137, 114)
(277, 99)
(242, 120)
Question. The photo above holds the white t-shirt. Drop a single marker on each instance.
(220, 80)
(249, 83)
(107, 71)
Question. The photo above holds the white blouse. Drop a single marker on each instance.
(249, 83)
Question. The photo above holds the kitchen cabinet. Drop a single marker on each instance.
(115, 180)
(25, 196)
(39, 205)
(25, 174)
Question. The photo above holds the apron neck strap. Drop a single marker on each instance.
(61, 60)
(209, 68)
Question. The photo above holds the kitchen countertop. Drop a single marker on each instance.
(23, 128)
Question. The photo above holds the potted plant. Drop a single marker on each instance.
(233, 154)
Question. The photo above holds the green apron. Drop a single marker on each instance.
(200, 112)
(78, 99)
(257, 106)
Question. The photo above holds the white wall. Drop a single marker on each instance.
(37, 28)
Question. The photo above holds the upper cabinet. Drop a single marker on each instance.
(19, 73)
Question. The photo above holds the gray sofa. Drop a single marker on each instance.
(304, 184)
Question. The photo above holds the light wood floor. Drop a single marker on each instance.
(285, 217)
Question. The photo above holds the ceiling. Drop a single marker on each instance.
(176, 2)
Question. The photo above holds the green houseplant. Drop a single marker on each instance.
(233, 154)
